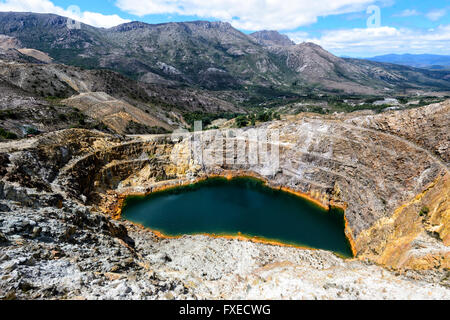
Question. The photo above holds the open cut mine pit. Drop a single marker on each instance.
(390, 176)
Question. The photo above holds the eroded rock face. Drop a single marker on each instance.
(390, 174)
(425, 127)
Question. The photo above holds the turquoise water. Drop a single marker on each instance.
(242, 205)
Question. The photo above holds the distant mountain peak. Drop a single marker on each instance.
(311, 45)
(134, 25)
(310, 49)
(272, 38)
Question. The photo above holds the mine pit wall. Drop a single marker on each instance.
(104, 169)
(111, 175)
(400, 241)
(426, 127)
(374, 199)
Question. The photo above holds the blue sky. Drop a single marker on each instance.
(340, 26)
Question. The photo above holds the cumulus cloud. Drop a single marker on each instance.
(375, 41)
(46, 6)
(249, 14)
(435, 15)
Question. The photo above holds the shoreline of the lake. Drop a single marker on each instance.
(241, 237)
(169, 186)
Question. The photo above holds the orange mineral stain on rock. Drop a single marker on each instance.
(390, 241)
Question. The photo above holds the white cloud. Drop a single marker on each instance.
(383, 40)
(46, 6)
(408, 13)
(249, 14)
(435, 15)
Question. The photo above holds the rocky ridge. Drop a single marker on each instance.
(272, 38)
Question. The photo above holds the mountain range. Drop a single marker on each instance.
(212, 56)
(430, 61)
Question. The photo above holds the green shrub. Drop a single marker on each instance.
(8, 114)
(264, 116)
(241, 121)
(101, 127)
(7, 135)
(424, 211)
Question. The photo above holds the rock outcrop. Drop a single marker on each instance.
(272, 38)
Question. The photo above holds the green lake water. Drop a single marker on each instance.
(242, 205)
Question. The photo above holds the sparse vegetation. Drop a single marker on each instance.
(424, 211)
(62, 117)
(241, 121)
(78, 117)
(9, 114)
(7, 135)
(206, 118)
(251, 119)
(101, 127)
